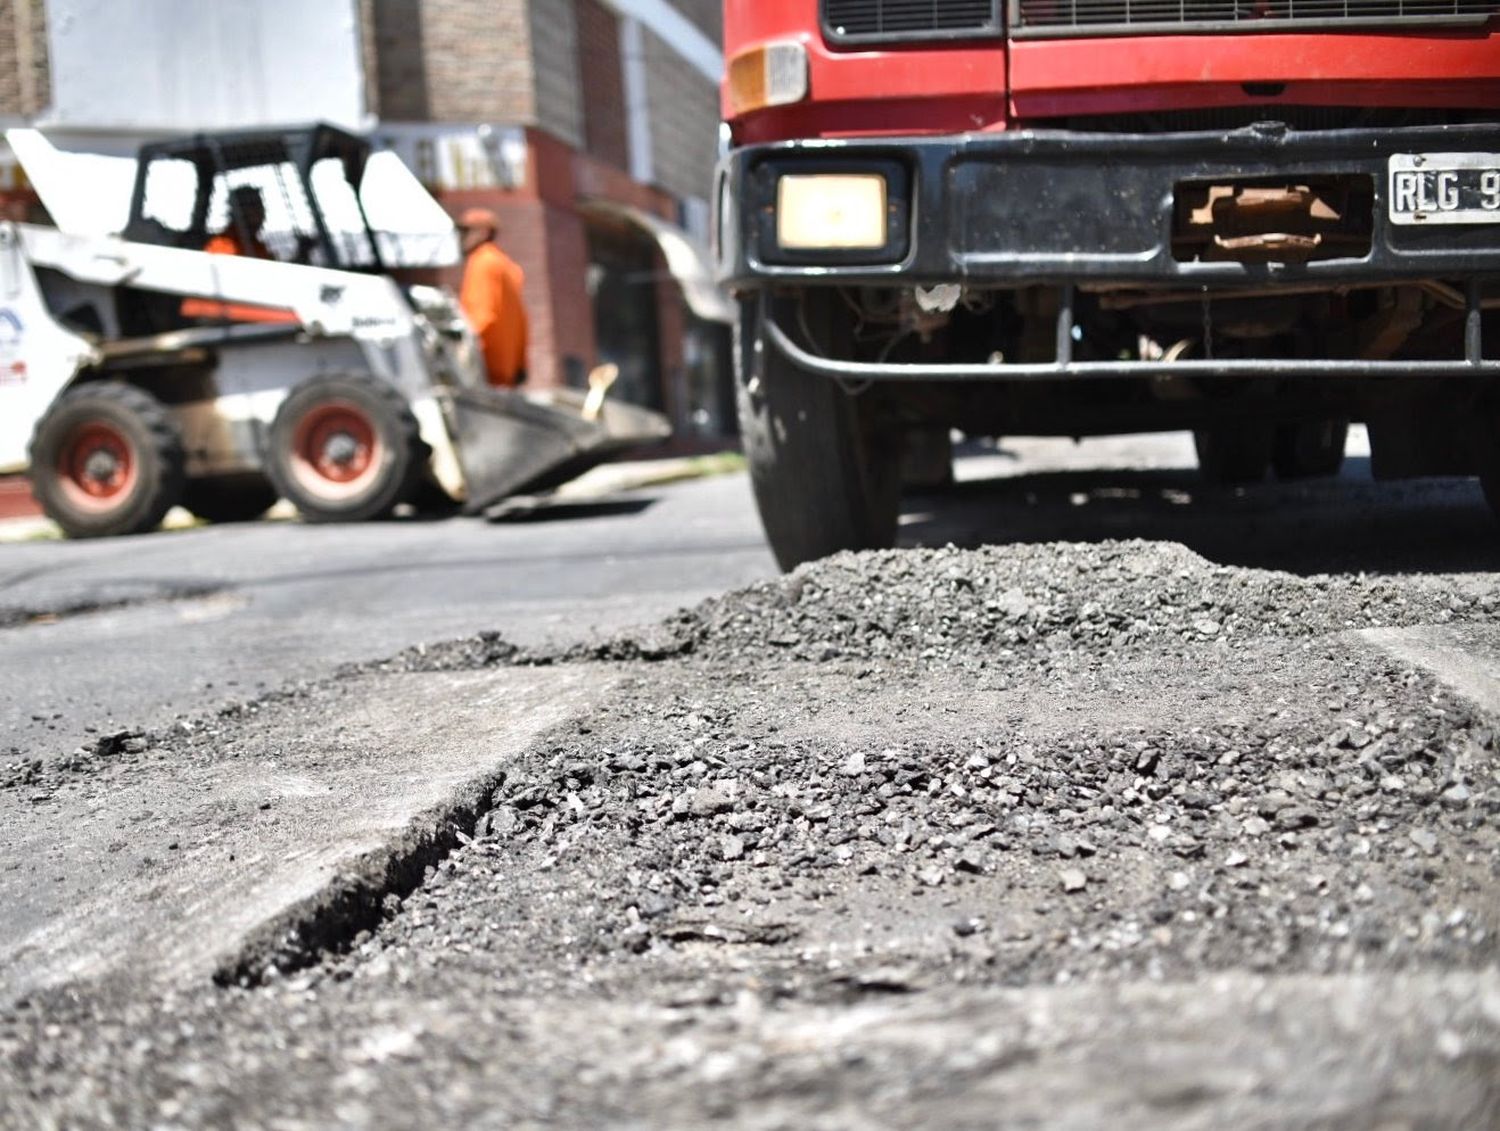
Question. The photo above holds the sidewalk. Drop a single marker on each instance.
(15, 498)
(632, 475)
(21, 520)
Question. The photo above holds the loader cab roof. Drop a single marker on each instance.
(239, 149)
(191, 189)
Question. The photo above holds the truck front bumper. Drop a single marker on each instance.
(1056, 207)
(1099, 212)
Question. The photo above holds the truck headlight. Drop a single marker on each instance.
(812, 206)
(831, 211)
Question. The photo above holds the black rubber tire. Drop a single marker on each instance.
(927, 459)
(397, 459)
(237, 498)
(431, 501)
(151, 439)
(1234, 455)
(1309, 449)
(1485, 445)
(824, 466)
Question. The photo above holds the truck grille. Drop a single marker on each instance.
(887, 21)
(1301, 118)
(1107, 17)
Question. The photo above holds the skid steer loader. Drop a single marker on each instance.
(144, 369)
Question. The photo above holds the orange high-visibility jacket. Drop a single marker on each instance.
(491, 298)
(228, 243)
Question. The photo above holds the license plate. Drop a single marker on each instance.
(1445, 188)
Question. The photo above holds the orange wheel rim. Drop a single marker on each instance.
(336, 450)
(97, 469)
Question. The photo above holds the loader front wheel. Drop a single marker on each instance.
(344, 449)
(106, 459)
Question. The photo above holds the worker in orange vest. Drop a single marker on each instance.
(247, 207)
(248, 216)
(491, 298)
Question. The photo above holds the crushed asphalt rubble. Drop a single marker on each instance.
(1053, 835)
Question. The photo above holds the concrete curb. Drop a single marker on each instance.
(600, 482)
(611, 478)
(28, 529)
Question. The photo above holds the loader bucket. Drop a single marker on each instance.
(510, 441)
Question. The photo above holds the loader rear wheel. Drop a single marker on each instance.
(238, 498)
(344, 449)
(824, 466)
(106, 459)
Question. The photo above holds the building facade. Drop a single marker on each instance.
(589, 126)
(611, 109)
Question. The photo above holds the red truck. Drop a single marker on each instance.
(1255, 219)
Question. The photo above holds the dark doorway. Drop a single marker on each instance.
(622, 284)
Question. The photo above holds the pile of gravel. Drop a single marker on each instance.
(1032, 600)
(1317, 814)
(1036, 603)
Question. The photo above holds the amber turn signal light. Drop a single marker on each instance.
(772, 74)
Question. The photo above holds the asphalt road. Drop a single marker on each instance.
(221, 614)
(192, 619)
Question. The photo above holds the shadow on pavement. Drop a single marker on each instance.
(559, 511)
(1318, 526)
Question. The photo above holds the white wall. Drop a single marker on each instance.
(677, 31)
(204, 64)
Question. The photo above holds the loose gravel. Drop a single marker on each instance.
(1059, 603)
(862, 846)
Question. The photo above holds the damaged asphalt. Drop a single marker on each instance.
(258, 837)
(1066, 835)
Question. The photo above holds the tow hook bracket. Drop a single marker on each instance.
(1270, 242)
(1260, 222)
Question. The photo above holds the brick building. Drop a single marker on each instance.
(616, 104)
(589, 126)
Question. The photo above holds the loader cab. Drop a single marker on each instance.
(303, 182)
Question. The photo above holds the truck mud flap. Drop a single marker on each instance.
(510, 441)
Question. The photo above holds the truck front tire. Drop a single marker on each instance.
(824, 465)
(344, 448)
(927, 458)
(1310, 449)
(1232, 455)
(106, 459)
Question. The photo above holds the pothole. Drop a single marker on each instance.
(109, 597)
